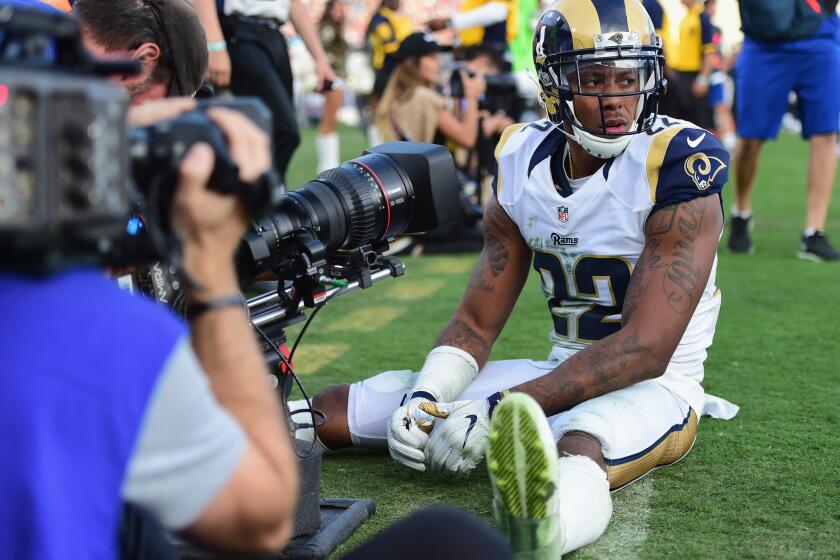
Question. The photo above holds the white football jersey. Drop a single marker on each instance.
(588, 234)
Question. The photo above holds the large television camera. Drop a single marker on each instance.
(78, 187)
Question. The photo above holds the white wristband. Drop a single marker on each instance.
(446, 373)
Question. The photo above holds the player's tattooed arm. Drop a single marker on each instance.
(500, 238)
(666, 285)
(496, 282)
(670, 257)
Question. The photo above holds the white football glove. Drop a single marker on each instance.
(408, 434)
(457, 444)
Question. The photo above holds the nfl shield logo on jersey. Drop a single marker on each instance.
(563, 214)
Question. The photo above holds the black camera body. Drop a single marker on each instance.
(156, 151)
(63, 167)
(501, 93)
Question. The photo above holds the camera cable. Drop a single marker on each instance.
(287, 363)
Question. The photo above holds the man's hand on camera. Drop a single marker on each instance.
(218, 68)
(151, 112)
(211, 225)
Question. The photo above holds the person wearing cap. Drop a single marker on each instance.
(249, 55)
(692, 62)
(411, 109)
(164, 36)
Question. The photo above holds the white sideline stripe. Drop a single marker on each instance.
(627, 532)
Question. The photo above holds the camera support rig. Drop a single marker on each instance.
(302, 282)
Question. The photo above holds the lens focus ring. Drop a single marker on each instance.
(359, 198)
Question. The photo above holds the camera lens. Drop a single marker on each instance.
(362, 201)
(395, 188)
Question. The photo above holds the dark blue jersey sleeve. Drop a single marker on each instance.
(694, 164)
(707, 32)
(654, 10)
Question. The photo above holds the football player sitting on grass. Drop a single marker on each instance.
(619, 210)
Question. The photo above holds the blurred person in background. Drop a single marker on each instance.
(497, 111)
(385, 33)
(331, 32)
(412, 109)
(249, 55)
(788, 46)
(489, 23)
(692, 61)
(659, 18)
(164, 36)
(717, 96)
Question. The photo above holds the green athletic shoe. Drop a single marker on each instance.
(522, 460)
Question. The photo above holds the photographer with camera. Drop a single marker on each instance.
(165, 37)
(182, 424)
(499, 108)
(411, 108)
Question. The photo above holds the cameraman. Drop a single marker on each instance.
(499, 109)
(128, 405)
(164, 36)
(412, 109)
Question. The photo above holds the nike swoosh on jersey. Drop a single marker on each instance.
(473, 419)
(696, 142)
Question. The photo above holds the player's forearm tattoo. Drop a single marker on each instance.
(495, 255)
(496, 239)
(597, 370)
(459, 334)
(681, 275)
(481, 279)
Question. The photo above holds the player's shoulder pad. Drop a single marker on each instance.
(505, 155)
(685, 162)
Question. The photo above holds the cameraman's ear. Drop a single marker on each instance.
(147, 53)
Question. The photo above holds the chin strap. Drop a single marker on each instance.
(598, 147)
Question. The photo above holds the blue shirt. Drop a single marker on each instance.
(827, 36)
(79, 359)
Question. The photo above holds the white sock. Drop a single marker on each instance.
(304, 434)
(729, 141)
(746, 214)
(810, 231)
(326, 146)
(373, 136)
(585, 503)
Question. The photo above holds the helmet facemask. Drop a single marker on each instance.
(619, 58)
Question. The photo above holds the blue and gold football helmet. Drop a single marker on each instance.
(575, 36)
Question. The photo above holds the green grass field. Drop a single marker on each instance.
(764, 485)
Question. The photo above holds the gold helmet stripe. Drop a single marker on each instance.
(639, 20)
(583, 21)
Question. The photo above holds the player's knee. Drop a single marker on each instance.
(828, 139)
(750, 147)
(584, 444)
(332, 401)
